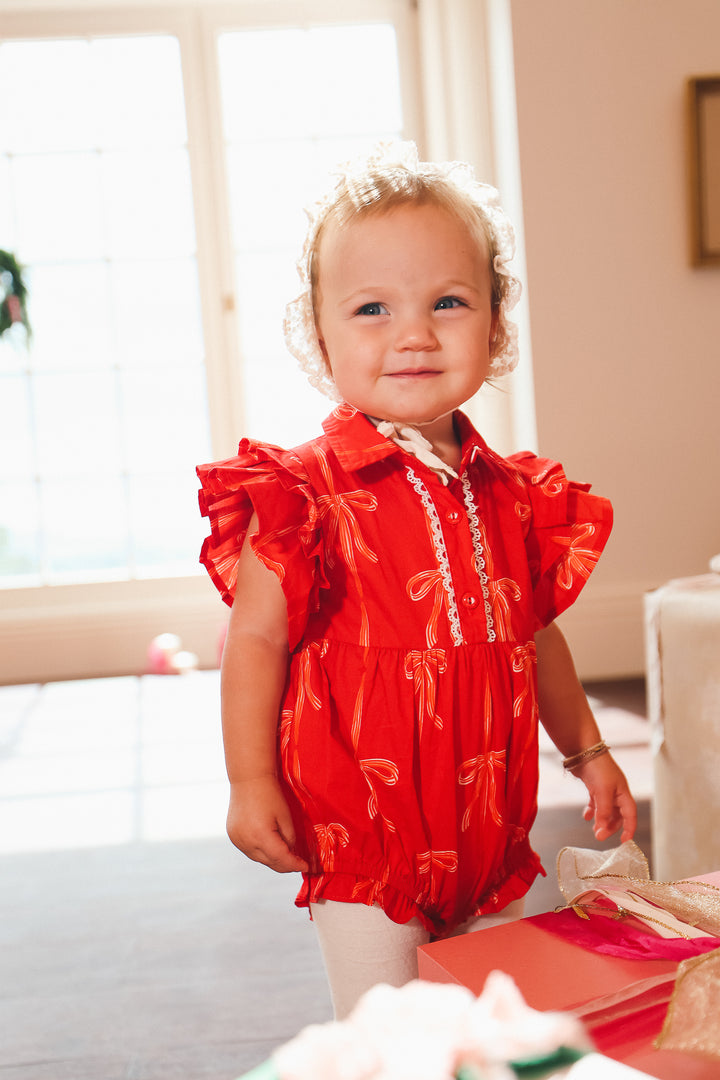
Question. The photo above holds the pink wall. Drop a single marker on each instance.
(625, 334)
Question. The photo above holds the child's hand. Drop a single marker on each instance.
(259, 823)
(610, 802)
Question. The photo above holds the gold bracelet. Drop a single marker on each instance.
(584, 756)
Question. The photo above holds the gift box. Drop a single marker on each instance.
(682, 633)
(607, 964)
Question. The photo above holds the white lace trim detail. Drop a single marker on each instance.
(477, 544)
(440, 554)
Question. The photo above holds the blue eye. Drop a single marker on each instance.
(445, 303)
(373, 308)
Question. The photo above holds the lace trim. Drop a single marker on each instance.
(440, 554)
(477, 544)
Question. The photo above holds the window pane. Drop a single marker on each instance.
(19, 531)
(148, 203)
(13, 351)
(165, 412)
(268, 200)
(71, 316)
(150, 111)
(16, 443)
(96, 197)
(86, 529)
(157, 313)
(267, 68)
(50, 87)
(313, 106)
(277, 391)
(262, 308)
(58, 206)
(7, 224)
(77, 424)
(360, 64)
(166, 527)
(322, 81)
(84, 110)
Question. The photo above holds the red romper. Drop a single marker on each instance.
(408, 732)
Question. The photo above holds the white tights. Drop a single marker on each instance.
(361, 946)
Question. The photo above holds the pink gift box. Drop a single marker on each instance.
(623, 1000)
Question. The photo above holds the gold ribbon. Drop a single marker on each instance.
(683, 909)
(692, 1022)
(693, 906)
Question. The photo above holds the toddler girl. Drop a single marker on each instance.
(395, 582)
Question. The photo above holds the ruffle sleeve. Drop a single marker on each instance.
(566, 529)
(272, 483)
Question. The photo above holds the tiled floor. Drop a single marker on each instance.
(136, 943)
(110, 761)
(125, 760)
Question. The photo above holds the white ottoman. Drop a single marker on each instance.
(682, 625)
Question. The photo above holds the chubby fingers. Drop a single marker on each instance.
(270, 848)
(628, 813)
(285, 834)
(276, 853)
(613, 811)
(260, 824)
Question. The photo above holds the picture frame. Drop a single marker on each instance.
(704, 169)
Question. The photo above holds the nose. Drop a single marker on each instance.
(415, 334)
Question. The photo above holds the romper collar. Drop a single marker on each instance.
(354, 440)
(357, 443)
(472, 443)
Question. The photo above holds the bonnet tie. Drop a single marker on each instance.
(408, 438)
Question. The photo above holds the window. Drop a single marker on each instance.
(103, 418)
(318, 107)
(153, 172)
(153, 169)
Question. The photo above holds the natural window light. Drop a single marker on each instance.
(315, 107)
(104, 416)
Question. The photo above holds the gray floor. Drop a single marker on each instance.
(135, 942)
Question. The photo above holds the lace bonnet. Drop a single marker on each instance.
(395, 165)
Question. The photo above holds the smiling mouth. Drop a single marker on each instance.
(414, 373)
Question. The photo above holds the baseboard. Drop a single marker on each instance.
(105, 630)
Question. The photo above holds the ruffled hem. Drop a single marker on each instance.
(567, 529)
(516, 885)
(350, 888)
(272, 483)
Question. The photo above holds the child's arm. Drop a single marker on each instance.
(253, 675)
(568, 720)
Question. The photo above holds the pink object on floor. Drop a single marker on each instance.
(165, 656)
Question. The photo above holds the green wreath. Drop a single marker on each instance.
(13, 294)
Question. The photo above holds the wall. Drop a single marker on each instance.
(625, 334)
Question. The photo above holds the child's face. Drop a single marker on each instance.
(404, 315)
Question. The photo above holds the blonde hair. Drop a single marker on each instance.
(390, 178)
